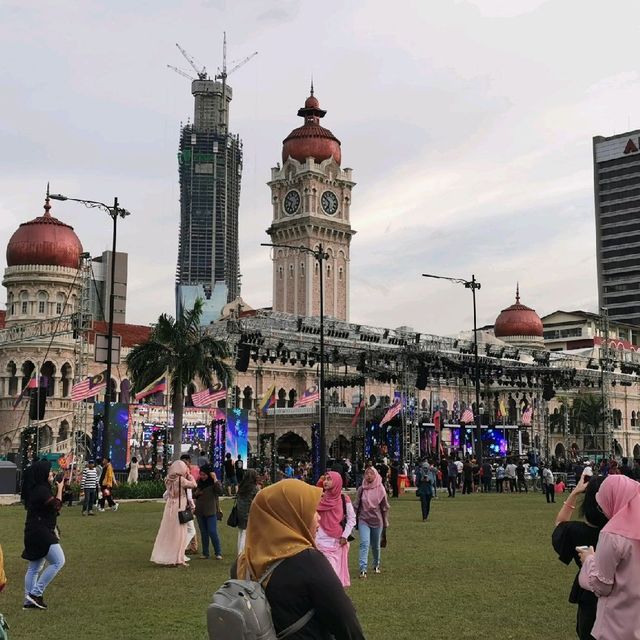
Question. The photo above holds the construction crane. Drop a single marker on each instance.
(201, 72)
(181, 72)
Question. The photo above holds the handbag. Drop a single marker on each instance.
(232, 520)
(343, 522)
(186, 515)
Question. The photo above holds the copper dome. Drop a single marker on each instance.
(311, 140)
(44, 241)
(518, 320)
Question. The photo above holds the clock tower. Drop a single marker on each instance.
(311, 198)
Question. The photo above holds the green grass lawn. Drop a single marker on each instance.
(482, 567)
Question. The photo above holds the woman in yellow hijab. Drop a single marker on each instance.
(282, 526)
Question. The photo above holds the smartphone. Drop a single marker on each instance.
(582, 548)
(588, 471)
(59, 477)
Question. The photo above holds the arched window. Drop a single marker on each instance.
(280, 272)
(316, 269)
(302, 269)
(633, 418)
(59, 303)
(67, 379)
(291, 270)
(125, 391)
(292, 397)
(328, 270)
(24, 303)
(48, 371)
(340, 272)
(282, 398)
(42, 302)
(247, 398)
(13, 378)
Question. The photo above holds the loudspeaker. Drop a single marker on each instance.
(547, 391)
(242, 361)
(423, 379)
(38, 403)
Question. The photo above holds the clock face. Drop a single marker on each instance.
(291, 202)
(329, 202)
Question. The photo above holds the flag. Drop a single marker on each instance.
(502, 410)
(208, 396)
(467, 417)
(311, 395)
(89, 387)
(437, 419)
(392, 412)
(32, 384)
(157, 386)
(354, 421)
(268, 400)
(527, 415)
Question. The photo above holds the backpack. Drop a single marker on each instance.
(240, 610)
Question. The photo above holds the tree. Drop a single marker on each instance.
(180, 348)
(587, 416)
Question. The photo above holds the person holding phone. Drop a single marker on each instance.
(611, 570)
(41, 540)
(570, 535)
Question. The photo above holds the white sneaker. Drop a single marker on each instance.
(100, 509)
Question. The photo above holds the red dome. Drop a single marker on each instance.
(311, 140)
(44, 241)
(518, 320)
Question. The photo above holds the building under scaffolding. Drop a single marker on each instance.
(210, 170)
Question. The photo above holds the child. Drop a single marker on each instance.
(67, 494)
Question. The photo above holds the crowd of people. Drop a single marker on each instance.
(291, 524)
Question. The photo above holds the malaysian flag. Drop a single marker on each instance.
(89, 387)
(25, 393)
(467, 417)
(311, 395)
(207, 397)
(527, 416)
(354, 421)
(392, 412)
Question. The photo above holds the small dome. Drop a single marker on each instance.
(518, 320)
(45, 240)
(311, 140)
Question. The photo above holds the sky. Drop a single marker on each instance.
(468, 125)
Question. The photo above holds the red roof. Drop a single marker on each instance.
(131, 334)
(518, 320)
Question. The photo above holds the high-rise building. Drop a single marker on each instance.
(616, 167)
(100, 292)
(210, 170)
(311, 199)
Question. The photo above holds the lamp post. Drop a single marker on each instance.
(320, 255)
(114, 212)
(472, 284)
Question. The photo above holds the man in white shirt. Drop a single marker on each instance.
(548, 482)
(511, 473)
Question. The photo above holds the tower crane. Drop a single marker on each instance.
(202, 72)
(181, 72)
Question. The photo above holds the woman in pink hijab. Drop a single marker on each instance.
(172, 536)
(337, 519)
(372, 510)
(612, 571)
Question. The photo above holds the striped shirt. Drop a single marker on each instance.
(89, 478)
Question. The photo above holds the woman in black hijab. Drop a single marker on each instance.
(246, 493)
(41, 542)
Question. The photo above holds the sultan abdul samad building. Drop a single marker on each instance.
(540, 377)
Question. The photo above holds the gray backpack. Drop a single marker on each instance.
(240, 611)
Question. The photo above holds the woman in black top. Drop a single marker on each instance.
(570, 534)
(283, 523)
(247, 491)
(41, 540)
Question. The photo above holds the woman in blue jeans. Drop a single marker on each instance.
(41, 543)
(372, 511)
(206, 496)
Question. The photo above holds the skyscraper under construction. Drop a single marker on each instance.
(210, 170)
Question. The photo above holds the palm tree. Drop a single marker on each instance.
(588, 415)
(180, 348)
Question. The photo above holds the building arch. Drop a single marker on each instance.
(42, 303)
(67, 379)
(617, 449)
(63, 431)
(45, 436)
(48, 372)
(188, 399)
(6, 445)
(281, 402)
(293, 396)
(636, 452)
(13, 378)
(27, 371)
(560, 451)
(340, 448)
(291, 445)
(125, 391)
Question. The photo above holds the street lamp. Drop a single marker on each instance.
(114, 212)
(472, 284)
(320, 255)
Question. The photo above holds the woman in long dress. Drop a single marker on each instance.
(133, 471)
(172, 536)
(337, 519)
